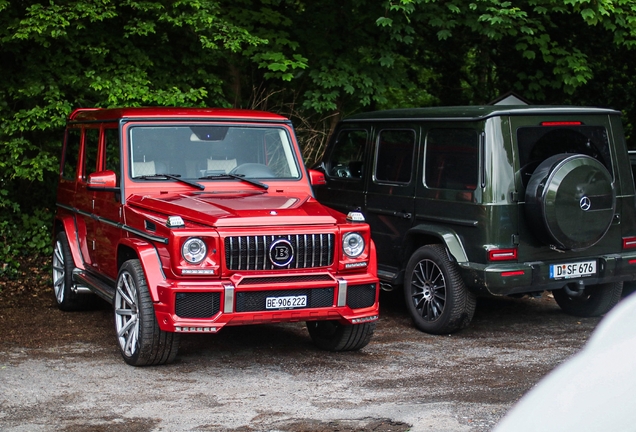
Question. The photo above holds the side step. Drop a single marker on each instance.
(97, 285)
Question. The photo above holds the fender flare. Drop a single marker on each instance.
(69, 227)
(150, 263)
(446, 236)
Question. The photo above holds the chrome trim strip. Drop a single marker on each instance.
(228, 303)
(120, 225)
(342, 292)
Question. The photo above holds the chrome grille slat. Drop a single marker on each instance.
(251, 252)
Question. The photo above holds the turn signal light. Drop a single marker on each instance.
(502, 254)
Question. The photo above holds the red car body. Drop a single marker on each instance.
(110, 215)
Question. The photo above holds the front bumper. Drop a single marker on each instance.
(208, 306)
(518, 278)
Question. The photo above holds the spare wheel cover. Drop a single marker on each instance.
(570, 201)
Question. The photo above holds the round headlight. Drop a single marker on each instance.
(353, 244)
(194, 250)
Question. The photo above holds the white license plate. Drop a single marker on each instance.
(286, 302)
(573, 270)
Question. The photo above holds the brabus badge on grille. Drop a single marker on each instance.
(281, 253)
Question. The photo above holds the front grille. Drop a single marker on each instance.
(250, 301)
(360, 296)
(254, 252)
(197, 305)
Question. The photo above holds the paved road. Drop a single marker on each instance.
(62, 371)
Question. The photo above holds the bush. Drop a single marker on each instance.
(26, 235)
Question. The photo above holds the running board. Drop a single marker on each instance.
(95, 284)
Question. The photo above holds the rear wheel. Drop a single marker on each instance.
(141, 341)
(594, 301)
(436, 296)
(66, 295)
(333, 336)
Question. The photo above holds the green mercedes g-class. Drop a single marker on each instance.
(497, 200)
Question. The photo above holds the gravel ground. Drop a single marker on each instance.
(62, 371)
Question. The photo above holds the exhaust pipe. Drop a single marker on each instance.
(574, 289)
(386, 287)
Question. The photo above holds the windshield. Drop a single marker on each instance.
(211, 152)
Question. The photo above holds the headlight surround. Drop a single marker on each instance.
(353, 244)
(194, 250)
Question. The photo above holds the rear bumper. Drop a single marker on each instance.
(517, 278)
(208, 306)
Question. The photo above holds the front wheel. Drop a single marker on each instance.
(594, 301)
(141, 341)
(333, 336)
(436, 296)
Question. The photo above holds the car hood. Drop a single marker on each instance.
(238, 209)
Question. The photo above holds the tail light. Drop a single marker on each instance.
(502, 254)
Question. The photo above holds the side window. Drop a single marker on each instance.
(394, 159)
(71, 153)
(111, 140)
(452, 159)
(91, 146)
(347, 155)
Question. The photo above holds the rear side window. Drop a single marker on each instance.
(538, 143)
(71, 153)
(452, 159)
(394, 161)
(347, 154)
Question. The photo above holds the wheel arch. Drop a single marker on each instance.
(66, 224)
(148, 256)
(425, 234)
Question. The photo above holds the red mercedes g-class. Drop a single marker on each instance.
(188, 220)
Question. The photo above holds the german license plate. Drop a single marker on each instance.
(573, 270)
(286, 302)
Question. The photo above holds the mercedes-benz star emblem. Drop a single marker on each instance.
(585, 203)
(281, 253)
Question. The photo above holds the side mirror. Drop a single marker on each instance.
(105, 181)
(316, 178)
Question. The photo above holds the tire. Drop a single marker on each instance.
(570, 201)
(333, 336)
(435, 294)
(66, 296)
(596, 300)
(141, 341)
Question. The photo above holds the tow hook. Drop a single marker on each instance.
(574, 289)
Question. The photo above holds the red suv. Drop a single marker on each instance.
(188, 220)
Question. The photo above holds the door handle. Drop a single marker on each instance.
(402, 215)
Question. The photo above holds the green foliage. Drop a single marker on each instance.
(24, 236)
(313, 61)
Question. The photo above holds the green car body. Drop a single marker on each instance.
(495, 200)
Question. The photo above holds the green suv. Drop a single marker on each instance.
(490, 200)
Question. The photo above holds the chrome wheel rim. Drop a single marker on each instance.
(58, 272)
(126, 314)
(428, 290)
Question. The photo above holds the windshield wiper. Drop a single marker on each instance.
(176, 177)
(236, 177)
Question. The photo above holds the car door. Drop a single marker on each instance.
(84, 198)
(108, 206)
(391, 192)
(346, 169)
